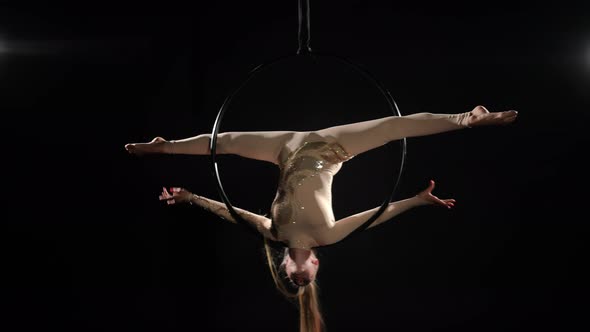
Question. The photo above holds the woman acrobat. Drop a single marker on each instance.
(301, 214)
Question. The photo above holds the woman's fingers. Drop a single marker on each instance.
(449, 203)
(175, 189)
(441, 202)
(171, 196)
(165, 197)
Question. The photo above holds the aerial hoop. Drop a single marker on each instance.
(305, 50)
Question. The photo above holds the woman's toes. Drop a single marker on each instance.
(510, 119)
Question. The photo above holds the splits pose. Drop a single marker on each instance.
(301, 214)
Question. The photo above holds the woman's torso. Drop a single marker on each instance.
(302, 212)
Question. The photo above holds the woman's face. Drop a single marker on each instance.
(303, 273)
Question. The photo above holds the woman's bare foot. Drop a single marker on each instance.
(154, 146)
(480, 116)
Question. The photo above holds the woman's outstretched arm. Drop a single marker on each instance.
(180, 195)
(347, 225)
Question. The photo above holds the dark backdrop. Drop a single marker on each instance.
(86, 245)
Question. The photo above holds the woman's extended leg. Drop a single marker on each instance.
(359, 137)
(262, 145)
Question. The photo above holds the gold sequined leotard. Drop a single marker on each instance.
(302, 209)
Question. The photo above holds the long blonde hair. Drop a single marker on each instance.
(310, 316)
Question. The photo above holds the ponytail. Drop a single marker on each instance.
(310, 316)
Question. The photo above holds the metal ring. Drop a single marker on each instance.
(213, 143)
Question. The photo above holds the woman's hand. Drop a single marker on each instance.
(427, 196)
(179, 195)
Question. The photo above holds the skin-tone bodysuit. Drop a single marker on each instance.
(301, 213)
(302, 210)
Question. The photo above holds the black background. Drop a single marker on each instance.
(87, 246)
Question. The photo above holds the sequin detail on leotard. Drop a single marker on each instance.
(304, 192)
